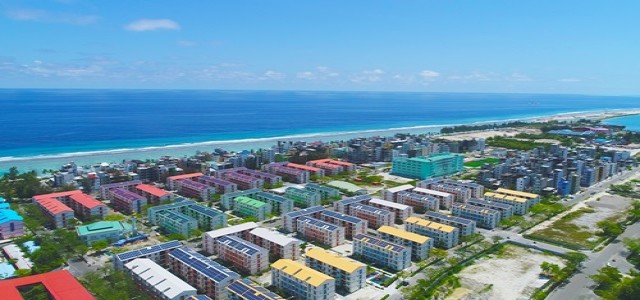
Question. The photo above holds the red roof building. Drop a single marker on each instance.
(61, 285)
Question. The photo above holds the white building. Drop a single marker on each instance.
(158, 282)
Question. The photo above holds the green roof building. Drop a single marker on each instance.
(103, 230)
(423, 167)
(249, 207)
(303, 198)
(176, 222)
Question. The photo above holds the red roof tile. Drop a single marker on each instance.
(57, 195)
(60, 284)
(86, 200)
(53, 205)
(185, 176)
(152, 190)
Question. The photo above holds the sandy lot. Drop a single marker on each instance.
(515, 274)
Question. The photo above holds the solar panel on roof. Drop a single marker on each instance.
(318, 223)
(305, 211)
(202, 264)
(343, 217)
(240, 245)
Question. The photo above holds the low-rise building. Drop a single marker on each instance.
(466, 226)
(245, 289)
(319, 231)
(172, 181)
(153, 194)
(158, 282)
(342, 206)
(279, 205)
(332, 166)
(173, 222)
(303, 198)
(486, 218)
(56, 211)
(109, 231)
(290, 220)
(207, 218)
(11, 223)
(242, 254)
(445, 199)
(420, 244)
(126, 201)
(349, 274)
(325, 192)
(158, 253)
(519, 205)
(209, 277)
(391, 194)
(302, 282)
(420, 203)
(221, 186)
(444, 236)
(278, 244)
(249, 207)
(375, 217)
(380, 252)
(289, 174)
(477, 190)
(352, 225)
(243, 181)
(193, 189)
(423, 167)
(210, 238)
(401, 211)
(82, 204)
(506, 210)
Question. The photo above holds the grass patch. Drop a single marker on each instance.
(479, 163)
(564, 232)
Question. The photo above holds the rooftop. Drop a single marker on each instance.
(335, 260)
(317, 223)
(304, 212)
(389, 204)
(8, 215)
(343, 217)
(125, 194)
(61, 285)
(86, 200)
(103, 226)
(301, 272)
(449, 218)
(203, 265)
(185, 176)
(160, 279)
(430, 224)
(517, 193)
(431, 192)
(489, 203)
(505, 197)
(401, 188)
(303, 167)
(247, 290)
(53, 206)
(273, 236)
(214, 234)
(379, 243)
(152, 190)
(479, 209)
(148, 250)
(249, 201)
(57, 195)
(403, 234)
(240, 245)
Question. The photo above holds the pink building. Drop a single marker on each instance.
(82, 204)
(153, 194)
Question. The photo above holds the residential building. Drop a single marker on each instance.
(506, 210)
(532, 199)
(172, 183)
(194, 189)
(349, 274)
(11, 223)
(249, 207)
(109, 231)
(61, 285)
(245, 289)
(173, 222)
(209, 277)
(242, 254)
(325, 192)
(226, 201)
(243, 181)
(303, 198)
(342, 206)
(290, 220)
(391, 194)
(319, 231)
(302, 282)
(401, 211)
(352, 225)
(289, 174)
(420, 245)
(466, 226)
(221, 186)
(312, 170)
(125, 201)
(444, 236)
(127, 185)
(332, 166)
(278, 244)
(279, 205)
(56, 211)
(420, 203)
(158, 282)
(423, 167)
(445, 199)
(519, 205)
(210, 238)
(375, 217)
(486, 218)
(153, 194)
(82, 204)
(466, 190)
(380, 252)
(158, 253)
(207, 218)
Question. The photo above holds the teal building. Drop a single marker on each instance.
(103, 230)
(423, 167)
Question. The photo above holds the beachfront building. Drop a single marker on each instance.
(83, 205)
(245, 289)
(209, 277)
(325, 192)
(110, 231)
(193, 189)
(466, 226)
(420, 203)
(519, 205)
(302, 282)
(445, 199)
(444, 236)
(352, 225)
(242, 180)
(153, 194)
(289, 174)
(157, 253)
(221, 186)
(476, 190)
(126, 201)
(209, 239)
(420, 244)
(401, 211)
(486, 218)
(207, 218)
(342, 206)
(158, 282)
(391, 194)
(172, 181)
(278, 244)
(303, 198)
(319, 231)
(173, 222)
(423, 167)
(290, 220)
(243, 255)
(506, 210)
(375, 217)
(56, 211)
(249, 207)
(380, 252)
(349, 274)
(11, 223)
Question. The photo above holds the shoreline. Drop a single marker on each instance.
(53, 161)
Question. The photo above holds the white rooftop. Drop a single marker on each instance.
(400, 188)
(389, 204)
(431, 192)
(165, 283)
(274, 236)
(14, 252)
(214, 234)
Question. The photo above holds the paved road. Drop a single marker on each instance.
(602, 186)
(519, 239)
(580, 286)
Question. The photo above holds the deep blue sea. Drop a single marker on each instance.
(44, 128)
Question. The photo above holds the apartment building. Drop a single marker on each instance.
(466, 226)
(249, 207)
(332, 166)
(486, 218)
(319, 231)
(520, 205)
(303, 198)
(420, 244)
(221, 186)
(56, 211)
(172, 180)
(242, 254)
(11, 223)
(207, 276)
(375, 217)
(290, 220)
(506, 210)
(302, 282)
(423, 167)
(420, 203)
(158, 282)
(391, 194)
(289, 174)
(352, 225)
(243, 181)
(158, 253)
(207, 218)
(210, 238)
(153, 194)
(125, 201)
(324, 191)
(278, 244)
(444, 236)
(83, 205)
(349, 274)
(245, 289)
(343, 205)
(127, 185)
(380, 252)
(401, 211)
(279, 205)
(532, 199)
(468, 191)
(445, 199)
(193, 189)
(172, 222)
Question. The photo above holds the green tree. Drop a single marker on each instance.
(100, 245)
(609, 228)
(438, 253)
(606, 278)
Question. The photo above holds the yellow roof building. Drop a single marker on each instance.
(334, 260)
(517, 193)
(505, 197)
(403, 234)
(430, 224)
(301, 272)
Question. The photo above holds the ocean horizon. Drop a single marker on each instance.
(46, 128)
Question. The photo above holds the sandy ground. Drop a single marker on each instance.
(607, 207)
(514, 275)
(395, 178)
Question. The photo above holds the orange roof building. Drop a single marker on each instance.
(61, 285)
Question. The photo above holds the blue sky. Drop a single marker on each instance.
(586, 47)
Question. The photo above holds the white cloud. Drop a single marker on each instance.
(152, 25)
(570, 80)
(374, 75)
(429, 74)
(36, 15)
(475, 76)
(320, 73)
(273, 75)
(186, 43)
(518, 77)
